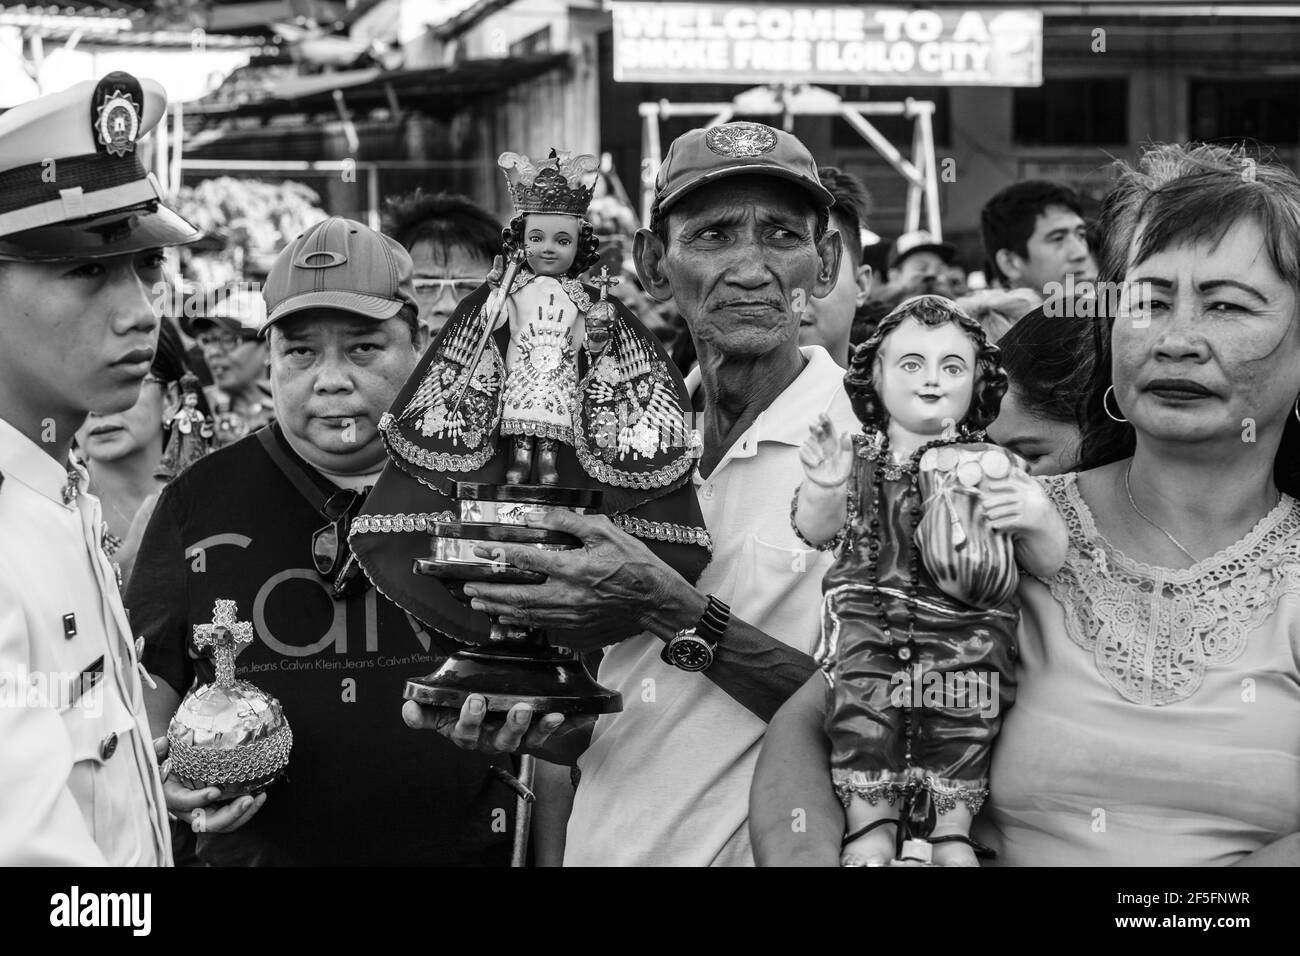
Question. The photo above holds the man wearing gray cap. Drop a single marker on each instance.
(82, 233)
(264, 522)
(236, 356)
(739, 239)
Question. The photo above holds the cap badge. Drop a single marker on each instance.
(319, 259)
(740, 139)
(118, 123)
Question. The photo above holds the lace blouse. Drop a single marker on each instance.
(1158, 717)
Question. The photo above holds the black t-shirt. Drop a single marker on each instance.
(362, 787)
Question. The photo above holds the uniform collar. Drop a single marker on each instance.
(22, 460)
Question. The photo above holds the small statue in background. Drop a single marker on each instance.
(189, 432)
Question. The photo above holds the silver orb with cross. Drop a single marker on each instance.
(228, 734)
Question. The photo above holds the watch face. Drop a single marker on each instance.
(691, 653)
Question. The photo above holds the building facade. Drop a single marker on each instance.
(530, 74)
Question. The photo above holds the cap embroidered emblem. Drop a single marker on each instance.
(118, 123)
(741, 139)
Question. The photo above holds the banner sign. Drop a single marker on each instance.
(729, 43)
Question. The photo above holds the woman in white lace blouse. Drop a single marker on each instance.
(1158, 716)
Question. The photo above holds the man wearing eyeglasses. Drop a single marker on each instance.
(264, 522)
(452, 242)
(237, 357)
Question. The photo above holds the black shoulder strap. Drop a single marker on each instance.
(306, 487)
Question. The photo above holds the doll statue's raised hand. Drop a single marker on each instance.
(827, 459)
(929, 522)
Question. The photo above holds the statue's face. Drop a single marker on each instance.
(925, 376)
(191, 400)
(551, 243)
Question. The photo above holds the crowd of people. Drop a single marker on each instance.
(1157, 719)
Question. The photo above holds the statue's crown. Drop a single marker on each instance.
(562, 183)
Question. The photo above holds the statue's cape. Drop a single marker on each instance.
(631, 440)
(631, 434)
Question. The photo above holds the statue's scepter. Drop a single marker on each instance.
(601, 316)
(496, 302)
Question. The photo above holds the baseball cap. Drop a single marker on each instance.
(920, 240)
(340, 264)
(72, 185)
(702, 156)
(239, 308)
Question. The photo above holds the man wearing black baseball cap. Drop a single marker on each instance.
(82, 234)
(270, 515)
(917, 257)
(739, 239)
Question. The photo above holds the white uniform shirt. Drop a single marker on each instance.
(666, 782)
(78, 779)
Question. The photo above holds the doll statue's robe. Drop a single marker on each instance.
(892, 726)
(540, 396)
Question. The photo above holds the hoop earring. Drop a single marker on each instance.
(1296, 408)
(1105, 406)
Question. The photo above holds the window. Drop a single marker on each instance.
(1081, 112)
(1266, 111)
(538, 42)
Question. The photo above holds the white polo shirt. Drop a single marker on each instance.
(78, 779)
(666, 782)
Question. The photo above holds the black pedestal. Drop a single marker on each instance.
(513, 665)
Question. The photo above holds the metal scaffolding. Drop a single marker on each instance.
(790, 101)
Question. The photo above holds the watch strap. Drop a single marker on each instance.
(714, 623)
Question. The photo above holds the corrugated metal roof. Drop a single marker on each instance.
(430, 89)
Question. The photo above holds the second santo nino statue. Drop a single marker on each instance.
(577, 370)
(919, 613)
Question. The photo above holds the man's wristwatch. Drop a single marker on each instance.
(694, 648)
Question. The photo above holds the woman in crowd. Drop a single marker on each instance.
(122, 451)
(1048, 361)
(1158, 716)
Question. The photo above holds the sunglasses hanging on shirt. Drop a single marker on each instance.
(329, 546)
(330, 553)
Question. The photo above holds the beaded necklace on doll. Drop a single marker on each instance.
(877, 450)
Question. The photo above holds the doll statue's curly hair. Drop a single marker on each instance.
(931, 311)
(512, 238)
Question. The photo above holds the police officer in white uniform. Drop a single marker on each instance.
(82, 233)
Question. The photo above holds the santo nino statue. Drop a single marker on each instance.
(535, 379)
(929, 522)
